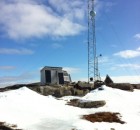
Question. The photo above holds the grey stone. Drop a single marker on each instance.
(87, 104)
(122, 86)
(136, 86)
(108, 80)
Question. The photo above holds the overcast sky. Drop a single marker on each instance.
(38, 33)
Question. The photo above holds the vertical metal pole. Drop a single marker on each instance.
(88, 44)
(91, 42)
(94, 41)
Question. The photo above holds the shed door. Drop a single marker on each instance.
(48, 76)
(61, 78)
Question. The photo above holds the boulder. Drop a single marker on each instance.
(62, 91)
(136, 86)
(59, 91)
(78, 92)
(83, 85)
(54, 90)
(86, 104)
(122, 86)
(97, 84)
(47, 90)
(108, 80)
(92, 104)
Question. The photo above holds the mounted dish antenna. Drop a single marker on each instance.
(92, 13)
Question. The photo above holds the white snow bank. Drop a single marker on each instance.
(32, 111)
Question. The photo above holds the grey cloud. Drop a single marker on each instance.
(21, 51)
(18, 79)
(7, 67)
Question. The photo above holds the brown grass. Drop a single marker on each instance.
(104, 117)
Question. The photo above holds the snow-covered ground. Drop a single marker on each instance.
(32, 111)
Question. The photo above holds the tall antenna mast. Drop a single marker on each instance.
(93, 73)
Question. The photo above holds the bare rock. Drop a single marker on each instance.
(122, 86)
(136, 86)
(86, 104)
(108, 80)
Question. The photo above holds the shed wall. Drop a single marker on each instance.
(43, 82)
(54, 77)
(57, 76)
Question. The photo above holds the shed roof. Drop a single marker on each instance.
(52, 68)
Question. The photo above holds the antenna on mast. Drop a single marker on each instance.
(93, 72)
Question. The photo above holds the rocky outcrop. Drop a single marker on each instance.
(88, 86)
(54, 90)
(108, 80)
(59, 91)
(136, 86)
(17, 86)
(86, 104)
(5, 126)
(122, 86)
(83, 86)
(98, 84)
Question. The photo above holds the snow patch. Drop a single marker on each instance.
(32, 111)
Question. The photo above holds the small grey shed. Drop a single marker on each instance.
(54, 75)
